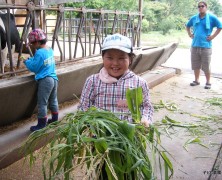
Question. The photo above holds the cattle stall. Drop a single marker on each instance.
(73, 33)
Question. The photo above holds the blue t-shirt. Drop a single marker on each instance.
(42, 64)
(202, 28)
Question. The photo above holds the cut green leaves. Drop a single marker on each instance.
(134, 99)
(101, 143)
(169, 106)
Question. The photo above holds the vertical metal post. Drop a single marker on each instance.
(90, 34)
(9, 40)
(140, 18)
(60, 14)
(85, 33)
(1, 65)
(98, 31)
(140, 6)
(70, 35)
(27, 25)
(127, 25)
(44, 21)
(79, 32)
(64, 42)
(115, 22)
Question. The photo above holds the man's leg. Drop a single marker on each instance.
(207, 78)
(206, 60)
(195, 65)
(197, 75)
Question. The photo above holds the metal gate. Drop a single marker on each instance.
(77, 32)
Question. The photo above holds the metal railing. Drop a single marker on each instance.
(77, 33)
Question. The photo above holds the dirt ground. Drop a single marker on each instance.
(194, 162)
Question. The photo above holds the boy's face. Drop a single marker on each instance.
(35, 45)
(116, 62)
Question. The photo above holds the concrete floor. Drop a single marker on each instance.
(196, 162)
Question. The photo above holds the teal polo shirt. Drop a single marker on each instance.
(202, 28)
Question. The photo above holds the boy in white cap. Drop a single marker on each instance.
(107, 89)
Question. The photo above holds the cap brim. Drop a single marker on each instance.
(127, 50)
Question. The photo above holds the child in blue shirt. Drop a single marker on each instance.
(43, 65)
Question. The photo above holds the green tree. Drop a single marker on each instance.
(181, 7)
(167, 24)
(179, 10)
(154, 12)
(189, 7)
(215, 7)
(145, 25)
(122, 5)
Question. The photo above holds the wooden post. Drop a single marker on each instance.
(140, 6)
(37, 19)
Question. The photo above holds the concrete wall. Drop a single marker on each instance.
(19, 95)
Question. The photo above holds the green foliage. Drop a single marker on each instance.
(180, 22)
(93, 4)
(101, 143)
(166, 25)
(215, 101)
(172, 22)
(134, 99)
(130, 5)
(180, 7)
(154, 12)
(145, 25)
(215, 7)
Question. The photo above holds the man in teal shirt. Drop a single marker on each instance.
(200, 28)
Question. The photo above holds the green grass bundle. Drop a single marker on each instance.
(105, 146)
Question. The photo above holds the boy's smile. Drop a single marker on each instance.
(116, 62)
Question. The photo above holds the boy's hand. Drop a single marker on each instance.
(145, 122)
(22, 58)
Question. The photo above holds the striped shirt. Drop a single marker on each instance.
(108, 96)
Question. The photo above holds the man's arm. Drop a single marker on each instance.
(211, 37)
(189, 32)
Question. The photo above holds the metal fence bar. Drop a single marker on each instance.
(1, 64)
(64, 47)
(85, 27)
(70, 35)
(28, 22)
(8, 40)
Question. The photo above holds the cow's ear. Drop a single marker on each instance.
(3, 38)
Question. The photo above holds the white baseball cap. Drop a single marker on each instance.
(117, 41)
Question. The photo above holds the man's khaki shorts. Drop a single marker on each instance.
(201, 58)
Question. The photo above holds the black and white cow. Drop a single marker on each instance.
(14, 36)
